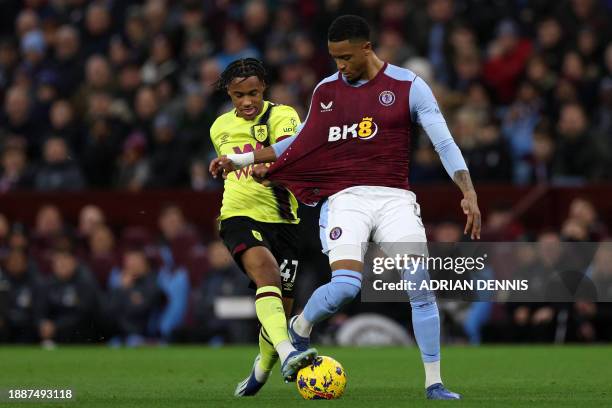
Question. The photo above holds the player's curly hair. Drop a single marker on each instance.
(348, 27)
(242, 68)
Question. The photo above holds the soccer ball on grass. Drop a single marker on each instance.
(323, 379)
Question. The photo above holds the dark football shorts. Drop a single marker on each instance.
(242, 233)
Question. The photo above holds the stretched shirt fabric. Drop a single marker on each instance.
(360, 135)
(243, 196)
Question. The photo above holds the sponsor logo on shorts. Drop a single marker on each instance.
(386, 98)
(257, 235)
(335, 233)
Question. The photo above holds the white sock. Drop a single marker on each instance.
(302, 326)
(283, 349)
(261, 375)
(432, 373)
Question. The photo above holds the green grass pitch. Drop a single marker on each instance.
(377, 377)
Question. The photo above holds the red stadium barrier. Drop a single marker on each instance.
(536, 209)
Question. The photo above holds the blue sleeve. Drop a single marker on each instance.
(447, 149)
(424, 108)
(280, 147)
(425, 111)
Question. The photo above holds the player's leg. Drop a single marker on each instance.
(283, 239)
(264, 271)
(252, 252)
(267, 352)
(261, 267)
(345, 224)
(400, 231)
(264, 361)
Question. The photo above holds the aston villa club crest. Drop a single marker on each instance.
(386, 98)
(260, 132)
(335, 233)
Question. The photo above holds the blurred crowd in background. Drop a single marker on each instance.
(129, 285)
(118, 94)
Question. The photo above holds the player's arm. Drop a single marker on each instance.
(269, 154)
(425, 110)
(233, 162)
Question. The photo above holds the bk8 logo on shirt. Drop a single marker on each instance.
(364, 130)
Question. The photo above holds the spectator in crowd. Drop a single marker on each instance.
(90, 218)
(129, 81)
(27, 20)
(194, 117)
(540, 164)
(33, 50)
(426, 167)
(601, 271)
(63, 123)
(520, 120)
(18, 238)
(431, 33)
(161, 65)
(135, 31)
(549, 41)
(49, 222)
(118, 52)
(200, 178)
(97, 29)
(172, 223)
(133, 167)
(392, 47)
(20, 279)
(5, 230)
(17, 119)
(502, 225)
(135, 299)
(591, 320)
(490, 160)
(69, 302)
(146, 106)
(15, 173)
(173, 279)
(98, 78)
(59, 171)
(603, 114)
(223, 279)
(577, 156)
(100, 152)
(169, 162)
(537, 321)
(9, 58)
(101, 255)
(583, 211)
(68, 59)
(507, 55)
(540, 74)
(156, 16)
(235, 46)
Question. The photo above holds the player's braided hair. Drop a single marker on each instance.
(242, 68)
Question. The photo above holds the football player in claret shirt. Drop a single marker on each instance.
(258, 224)
(352, 153)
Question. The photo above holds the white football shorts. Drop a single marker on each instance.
(357, 215)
